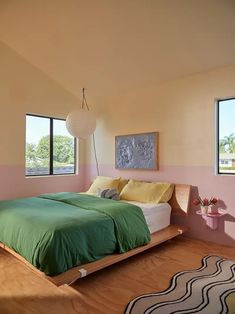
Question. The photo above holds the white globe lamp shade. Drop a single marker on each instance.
(81, 123)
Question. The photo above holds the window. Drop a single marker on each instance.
(226, 136)
(50, 149)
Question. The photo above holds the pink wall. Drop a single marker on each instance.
(198, 176)
(13, 183)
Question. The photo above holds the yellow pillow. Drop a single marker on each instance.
(122, 183)
(168, 191)
(103, 183)
(147, 192)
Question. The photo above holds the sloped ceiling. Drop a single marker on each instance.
(111, 46)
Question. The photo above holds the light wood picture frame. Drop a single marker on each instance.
(137, 151)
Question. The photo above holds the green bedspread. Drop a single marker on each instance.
(56, 232)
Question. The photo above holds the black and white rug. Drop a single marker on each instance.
(207, 290)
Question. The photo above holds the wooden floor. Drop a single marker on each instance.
(107, 291)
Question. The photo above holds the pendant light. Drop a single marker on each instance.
(81, 123)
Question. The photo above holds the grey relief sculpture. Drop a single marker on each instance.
(136, 151)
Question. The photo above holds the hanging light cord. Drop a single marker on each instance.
(84, 103)
(96, 160)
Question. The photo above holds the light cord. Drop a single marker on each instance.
(84, 103)
(96, 159)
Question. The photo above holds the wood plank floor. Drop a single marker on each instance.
(107, 291)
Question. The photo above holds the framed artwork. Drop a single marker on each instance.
(137, 151)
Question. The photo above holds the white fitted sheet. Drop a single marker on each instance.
(157, 216)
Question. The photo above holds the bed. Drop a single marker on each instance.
(111, 242)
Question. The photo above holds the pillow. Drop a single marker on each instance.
(147, 192)
(122, 183)
(103, 183)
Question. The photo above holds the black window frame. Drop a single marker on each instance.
(51, 128)
(218, 136)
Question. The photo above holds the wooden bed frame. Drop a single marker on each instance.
(179, 203)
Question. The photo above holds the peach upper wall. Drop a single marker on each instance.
(182, 111)
(112, 46)
(26, 89)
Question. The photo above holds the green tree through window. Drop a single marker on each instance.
(50, 149)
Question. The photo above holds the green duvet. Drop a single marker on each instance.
(56, 232)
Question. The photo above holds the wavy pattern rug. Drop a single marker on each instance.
(207, 290)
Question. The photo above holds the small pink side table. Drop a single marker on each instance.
(212, 219)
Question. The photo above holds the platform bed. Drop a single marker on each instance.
(73, 274)
(179, 203)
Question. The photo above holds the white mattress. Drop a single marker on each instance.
(157, 215)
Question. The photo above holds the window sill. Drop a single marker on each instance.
(225, 174)
(52, 176)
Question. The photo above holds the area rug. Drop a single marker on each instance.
(207, 290)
